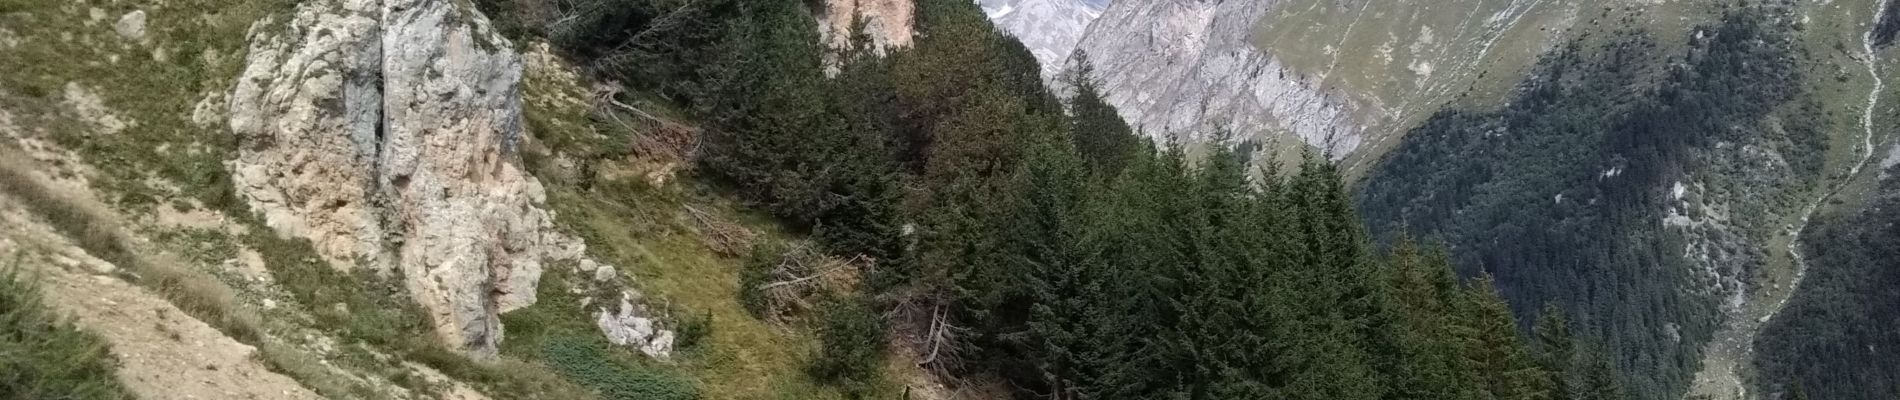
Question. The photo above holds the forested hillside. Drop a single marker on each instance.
(1568, 194)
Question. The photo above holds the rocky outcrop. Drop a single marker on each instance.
(308, 112)
(629, 325)
(386, 132)
(889, 23)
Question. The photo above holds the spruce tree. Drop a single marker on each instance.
(1501, 366)
(1556, 351)
(1101, 135)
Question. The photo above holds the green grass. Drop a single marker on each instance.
(43, 356)
(62, 45)
(558, 331)
(196, 292)
(646, 232)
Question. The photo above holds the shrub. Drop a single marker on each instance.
(693, 329)
(757, 271)
(44, 357)
(850, 344)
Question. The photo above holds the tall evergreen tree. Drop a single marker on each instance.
(1556, 350)
(1599, 379)
(1101, 135)
(861, 216)
(1501, 366)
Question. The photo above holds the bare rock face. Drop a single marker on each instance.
(386, 133)
(308, 110)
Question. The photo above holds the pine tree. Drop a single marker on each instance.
(773, 130)
(1422, 358)
(1556, 351)
(862, 216)
(1501, 366)
(1599, 380)
(1101, 135)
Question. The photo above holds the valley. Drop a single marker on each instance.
(1726, 363)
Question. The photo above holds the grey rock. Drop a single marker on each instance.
(630, 326)
(606, 273)
(1893, 158)
(131, 26)
(660, 347)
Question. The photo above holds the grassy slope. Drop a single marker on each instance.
(650, 232)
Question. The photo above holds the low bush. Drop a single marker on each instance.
(45, 357)
(850, 344)
(590, 363)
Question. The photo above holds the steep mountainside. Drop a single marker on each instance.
(1651, 189)
(1337, 76)
(1828, 339)
(1834, 339)
(1519, 168)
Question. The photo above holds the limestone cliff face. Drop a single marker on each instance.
(890, 23)
(385, 131)
(1185, 69)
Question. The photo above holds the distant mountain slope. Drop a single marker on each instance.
(1690, 215)
(1336, 76)
(1049, 28)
